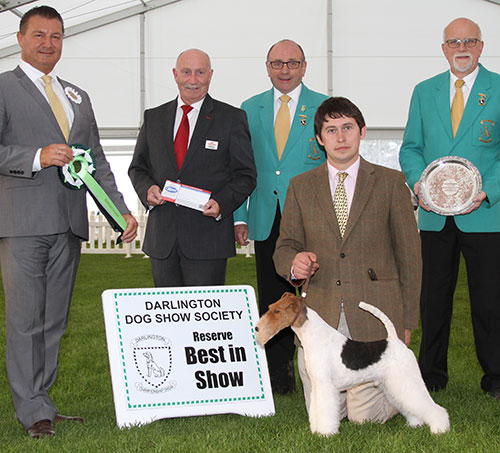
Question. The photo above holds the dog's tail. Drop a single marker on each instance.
(389, 326)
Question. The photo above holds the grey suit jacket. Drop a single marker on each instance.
(34, 204)
(381, 234)
(228, 172)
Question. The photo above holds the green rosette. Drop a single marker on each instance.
(78, 173)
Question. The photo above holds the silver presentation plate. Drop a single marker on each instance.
(449, 184)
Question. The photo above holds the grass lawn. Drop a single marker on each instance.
(84, 388)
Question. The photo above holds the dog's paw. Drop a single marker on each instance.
(443, 426)
(325, 430)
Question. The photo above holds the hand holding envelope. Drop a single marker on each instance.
(190, 197)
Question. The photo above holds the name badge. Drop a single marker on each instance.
(211, 144)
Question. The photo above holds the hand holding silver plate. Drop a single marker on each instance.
(449, 185)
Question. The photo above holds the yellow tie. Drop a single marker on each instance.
(340, 203)
(56, 106)
(282, 125)
(457, 106)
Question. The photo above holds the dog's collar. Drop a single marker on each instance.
(299, 312)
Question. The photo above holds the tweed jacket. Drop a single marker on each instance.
(381, 235)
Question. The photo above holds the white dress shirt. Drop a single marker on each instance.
(292, 103)
(467, 86)
(192, 116)
(349, 181)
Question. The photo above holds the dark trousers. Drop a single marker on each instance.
(177, 270)
(280, 350)
(441, 258)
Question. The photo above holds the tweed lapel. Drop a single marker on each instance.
(30, 87)
(200, 133)
(362, 192)
(321, 190)
(480, 90)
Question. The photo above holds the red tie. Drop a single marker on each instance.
(182, 137)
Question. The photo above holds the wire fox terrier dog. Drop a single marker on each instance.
(335, 363)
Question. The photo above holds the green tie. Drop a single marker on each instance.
(340, 202)
(56, 106)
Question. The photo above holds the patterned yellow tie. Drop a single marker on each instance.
(56, 106)
(340, 202)
(282, 125)
(457, 106)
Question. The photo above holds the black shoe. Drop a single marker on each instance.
(435, 387)
(494, 394)
(42, 428)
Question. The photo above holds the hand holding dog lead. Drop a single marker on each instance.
(301, 263)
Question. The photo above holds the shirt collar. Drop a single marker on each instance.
(468, 79)
(351, 171)
(195, 105)
(33, 73)
(294, 94)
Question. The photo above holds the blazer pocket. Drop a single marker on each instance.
(314, 153)
(485, 133)
(21, 183)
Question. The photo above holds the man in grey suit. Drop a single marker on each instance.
(188, 247)
(42, 222)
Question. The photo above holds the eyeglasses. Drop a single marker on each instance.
(278, 64)
(468, 42)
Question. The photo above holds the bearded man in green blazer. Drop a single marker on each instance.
(278, 158)
(428, 136)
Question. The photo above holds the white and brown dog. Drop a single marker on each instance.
(335, 363)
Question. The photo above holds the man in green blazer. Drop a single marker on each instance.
(278, 157)
(373, 257)
(428, 136)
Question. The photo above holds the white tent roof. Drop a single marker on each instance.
(78, 15)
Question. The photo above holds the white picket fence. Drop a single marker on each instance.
(102, 238)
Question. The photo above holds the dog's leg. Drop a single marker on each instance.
(406, 390)
(324, 412)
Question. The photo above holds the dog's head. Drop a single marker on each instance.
(290, 310)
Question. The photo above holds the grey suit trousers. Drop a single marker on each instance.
(38, 274)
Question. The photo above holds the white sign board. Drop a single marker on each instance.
(178, 352)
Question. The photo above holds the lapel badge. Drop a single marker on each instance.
(485, 132)
(303, 120)
(482, 99)
(303, 108)
(73, 95)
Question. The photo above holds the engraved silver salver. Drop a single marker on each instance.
(449, 185)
